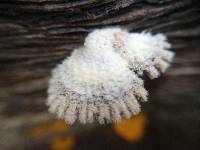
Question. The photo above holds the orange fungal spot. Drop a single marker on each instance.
(132, 129)
(60, 143)
(49, 127)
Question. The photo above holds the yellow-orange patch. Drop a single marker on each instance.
(132, 129)
(62, 143)
(49, 127)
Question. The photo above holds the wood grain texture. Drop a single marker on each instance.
(35, 35)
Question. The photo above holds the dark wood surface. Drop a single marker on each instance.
(35, 35)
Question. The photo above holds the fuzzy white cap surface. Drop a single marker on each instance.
(100, 81)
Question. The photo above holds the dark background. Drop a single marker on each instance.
(35, 35)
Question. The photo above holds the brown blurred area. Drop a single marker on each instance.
(35, 35)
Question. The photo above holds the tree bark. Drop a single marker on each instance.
(35, 35)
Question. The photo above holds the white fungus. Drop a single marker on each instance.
(100, 81)
(144, 52)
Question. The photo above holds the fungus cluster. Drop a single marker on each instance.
(101, 81)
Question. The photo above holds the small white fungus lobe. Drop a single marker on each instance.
(101, 80)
